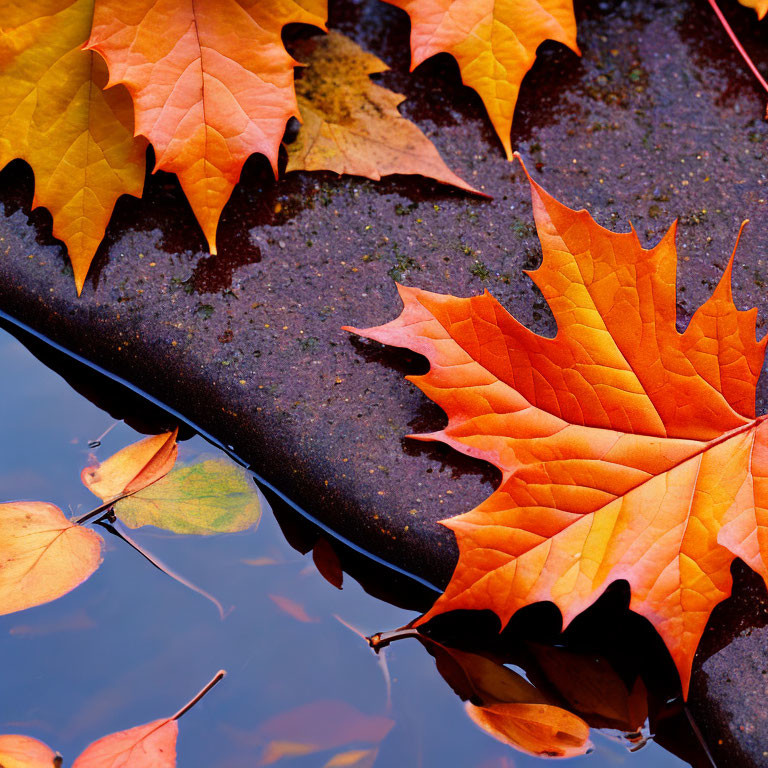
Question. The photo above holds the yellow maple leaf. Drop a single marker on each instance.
(77, 138)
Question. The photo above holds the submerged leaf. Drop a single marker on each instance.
(26, 752)
(43, 555)
(292, 608)
(350, 124)
(134, 467)
(539, 729)
(353, 758)
(210, 496)
(319, 726)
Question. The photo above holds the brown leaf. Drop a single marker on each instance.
(327, 562)
(350, 124)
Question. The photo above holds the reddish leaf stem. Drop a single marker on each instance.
(191, 703)
(739, 46)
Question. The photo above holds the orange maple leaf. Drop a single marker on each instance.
(628, 450)
(760, 6)
(211, 83)
(494, 44)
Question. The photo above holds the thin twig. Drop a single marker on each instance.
(115, 528)
(699, 735)
(191, 703)
(739, 46)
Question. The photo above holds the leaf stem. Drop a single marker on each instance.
(191, 703)
(738, 45)
(88, 515)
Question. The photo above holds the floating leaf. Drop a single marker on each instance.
(134, 467)
(43, 555)
(210, 496)
(152, 745)
(350, 124)
(26, 752)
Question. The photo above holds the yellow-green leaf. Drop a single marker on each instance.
(210, 496)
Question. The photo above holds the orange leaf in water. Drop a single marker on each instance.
(493, 42)
(25, 752)
(152, 745)
(43, 555)
(539, 729)
(146, 746)
(134, 467)
(352, 125)
(211, 84)
(628, 450)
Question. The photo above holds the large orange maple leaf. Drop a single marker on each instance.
(211, 83)
(628, 450)
(493, 41)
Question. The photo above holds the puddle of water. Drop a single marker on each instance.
(131, 645)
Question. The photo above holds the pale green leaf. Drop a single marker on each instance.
(213, 495)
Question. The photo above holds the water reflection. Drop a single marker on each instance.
(304, 688)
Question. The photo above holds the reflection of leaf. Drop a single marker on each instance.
(501, 701)
(353, 758)
(210, 496)
(327, 562)
(152, 745)
(43, 555)
(134, 467)
(321, 725)
(25, 752)
(628, 450)
(352, 125)
(539, 729)
(591, 686)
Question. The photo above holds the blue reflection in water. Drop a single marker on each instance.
(131, 645)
